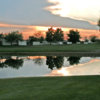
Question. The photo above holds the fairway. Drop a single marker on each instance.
(51, 48)
(51, 88)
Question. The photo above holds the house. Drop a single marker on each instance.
(86, 43)
(45, 43)
(60, 43)
(90, 42)
(4, 43)
(22, 43)
(69, 42)
(78, 42)
(36, 43)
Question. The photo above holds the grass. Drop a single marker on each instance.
(50, 48)
(51, 88)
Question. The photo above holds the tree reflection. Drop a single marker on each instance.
(74, 60)
(13, 63)
(38, 61)
(50, 62)
(54, 61)
(1, 65)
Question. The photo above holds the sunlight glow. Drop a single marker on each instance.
(88, 10)
(63, 71)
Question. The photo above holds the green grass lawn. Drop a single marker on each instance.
(50, 48)
(51, 88)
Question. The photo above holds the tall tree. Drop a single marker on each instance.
(98, 24)
(19, 37)
(93, 38)
(74, 36)
(13, 37)
(32, 39)
(1, 37)
(49, 35)
(58, 35)
(41, 39)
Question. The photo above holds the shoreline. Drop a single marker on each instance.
(51, 53)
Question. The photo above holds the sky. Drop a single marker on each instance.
(31, 16)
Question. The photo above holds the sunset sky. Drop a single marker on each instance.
(34, 16)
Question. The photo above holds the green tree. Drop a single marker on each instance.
(41, 39)
(19, 37)
(74, 36)
(49, 35)
(1, 37)
(13, 37)
(93, 38)
(32, 39)
(58, 35)
(98, 24)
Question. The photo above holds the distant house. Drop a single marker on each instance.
(69, 42)
(53, 43)
(78, 42)
(45, 43)
(22, 43)
(65, 42)
(36, 43)
(86, 43)
(60, 43)
(5, 43)
(90, 42)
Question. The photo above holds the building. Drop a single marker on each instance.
(22, 43)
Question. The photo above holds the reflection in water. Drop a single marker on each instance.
(15, 66)
(90, 68)
(38, 61)
(54, 61)
(51, 61)
(10, 62)
(14, 63)
(74, 60)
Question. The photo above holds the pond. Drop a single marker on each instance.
(40, 66)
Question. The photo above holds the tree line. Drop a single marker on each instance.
(52, 35)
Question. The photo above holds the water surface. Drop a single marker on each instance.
(36, 66)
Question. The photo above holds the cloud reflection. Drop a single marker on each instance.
(90, 68)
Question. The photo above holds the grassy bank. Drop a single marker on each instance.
(52, 88)
(50, 48)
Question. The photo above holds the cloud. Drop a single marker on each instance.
(87, 10)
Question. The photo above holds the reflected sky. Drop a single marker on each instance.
(36, 66)
(90, 68)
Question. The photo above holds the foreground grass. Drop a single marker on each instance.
(50, 48)
(51, 88)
